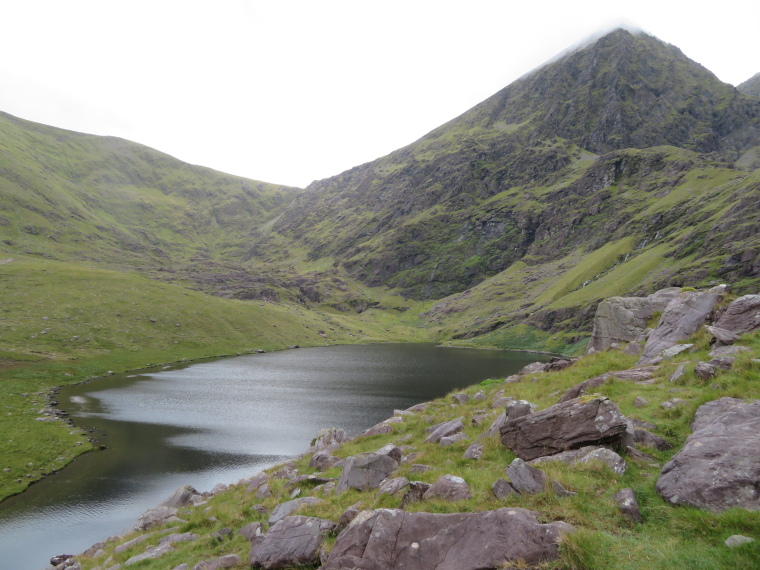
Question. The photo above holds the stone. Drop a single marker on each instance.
(264, 492)
(502, 488)
(60, 559)
(218, 488)
(289, 507)
(130, 543)
(733, 350)
(673, 403)
(681, 318)
(418, 468)
(251, 530)
(479, 396)
(629, 506)
(387, 539)
(530, 481)
(180, 498)
(718, 467)
(287, 471)
(495, 426)
(452, 439)
(157, 516)
(449, 488)
(741, 316)
(640, 402)
(256, 481)
(328, 438)
(623, 320)
(633, 348)
(642, 424)
(416, 492)
(723, 362)
(393, 486)
(531, 368)
(221, 534)
(322, 461)
(518, 408)
(722, 335)
(501, 401)
(632, 375)
(292, 541)
(704, 370)
(569, 457)
(365, 471)
(737, 540)
(478, 419)
(178, 537)
(646, 438)
(678, 373)
(348, 515)
(226, 561)
(608, 458)
(155, 552)
(443, 430)
(640, 455)
(568, 425)
(475, 451)
(675, 350)
(391, 451)
(461, 398)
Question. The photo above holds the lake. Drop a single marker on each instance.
(218, 422)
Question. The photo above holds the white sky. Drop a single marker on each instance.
(290, 91)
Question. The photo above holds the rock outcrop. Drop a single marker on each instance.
(365, 471)
(624, 319)
(569, 425)
(719, 465)
(387, 539)
(741, 316)
(291, 541)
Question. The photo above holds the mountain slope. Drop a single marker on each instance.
(751, 86)
(531, 173)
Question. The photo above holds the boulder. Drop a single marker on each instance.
(155, 552)
(737, 540)
(449, 488)
(501, 488)
(518, 409)
(322, 461)
(157, 516)
(393, 486)
(129, 544)
(178, 537)
(704, 370)
(568, 425)
(640, 402)
(672, 403)
(387, 539)
(291, 541)
(391, 451)
(557, 363)
(733, 350)
(495, 426)
(180, 497)
(741, 316)
(380, 429)
(263, 492)
(629, 506)
(461, 398)
(416, 492)
(365, 471)
(256, 481)
(443, 430)
(501, 401)
(479, 396)
(348, 515)
(530, 481)
(475, 451)
(586, 454)
(531, 368)
(329, 438)
(723, 362)
(289, 507)
(452, 439)
(723, 336)
(624, 319)
(719, 466)
(648, 439)
(680, 371)
(251, 530)
(682, 317)
(632, 375)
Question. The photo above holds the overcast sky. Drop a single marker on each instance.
(293, 91)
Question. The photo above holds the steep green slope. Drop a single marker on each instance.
(751, 86)
(529, 174)
(73, 196)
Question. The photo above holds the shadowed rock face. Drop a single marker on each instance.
(719, 466)
(386, 539)
(569, 425)
(741, 316)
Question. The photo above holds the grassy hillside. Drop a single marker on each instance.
(667, 537)
(62, 323)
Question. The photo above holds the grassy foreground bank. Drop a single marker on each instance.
(668, 536)
(63, 323)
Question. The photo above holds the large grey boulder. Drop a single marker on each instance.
(387, 539)
(629, 506)
(682, 317)
(528, 480)
(719, 465)
(157, 516)
(292, 541)
(365, 471)
(181, 497)
(449, 488)
(569, 425)
(624, 319)
(741, 316)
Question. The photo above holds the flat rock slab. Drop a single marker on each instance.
(227, 561)
(568, 425)
(449, 488)
(530, 481)
(633, 375)
(387, 539)
(719, 465)
(285, 509)
(586, 454)
(444, 429)
(292, 541)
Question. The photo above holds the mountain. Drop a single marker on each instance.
(751, 86)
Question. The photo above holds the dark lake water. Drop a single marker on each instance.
(218, 422)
